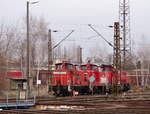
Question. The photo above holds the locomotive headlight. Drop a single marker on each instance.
(104, 80)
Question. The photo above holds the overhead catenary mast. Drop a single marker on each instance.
(79, 55)
(116, 58)
(124, 19)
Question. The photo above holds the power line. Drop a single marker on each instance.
(100, 35)
(63, 39)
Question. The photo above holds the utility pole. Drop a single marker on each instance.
(65, 53)
(28, 53)
(124, 19)
(50, 60)
(116, 57)
(28, 48)
(79, 55)
(124, 33)
(80, 51)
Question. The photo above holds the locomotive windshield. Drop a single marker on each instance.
(58, 66)
(106, 68)
(69, 66)
(84, 67)
(77, 67)
(94, 67)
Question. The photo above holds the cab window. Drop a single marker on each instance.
(106, 69)
(83, 67)
(69, 66)
(77, 67)
(93, 67)
(58, 66)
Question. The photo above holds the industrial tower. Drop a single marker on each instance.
(124, 19)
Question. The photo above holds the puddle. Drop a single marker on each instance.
(61, 107)
(115, 106)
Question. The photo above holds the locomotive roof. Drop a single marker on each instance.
(90, 64)
(64, 63)
(106, 66)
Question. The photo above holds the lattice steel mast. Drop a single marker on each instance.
(124, 19)
(117, 58)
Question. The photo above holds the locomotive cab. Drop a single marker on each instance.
(89, 76)
(61, 80)
(106, 74)
(90, 73)
(63, 66)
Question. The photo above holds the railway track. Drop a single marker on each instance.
(137, 95)
(96, 98)
(116, 109)
(132, 103)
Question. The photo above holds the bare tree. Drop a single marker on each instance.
(144, 58)
(38, 42)
(7, 47)
(98, 55)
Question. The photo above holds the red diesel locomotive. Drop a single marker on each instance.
(84, 79)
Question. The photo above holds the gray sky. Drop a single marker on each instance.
(75, 14)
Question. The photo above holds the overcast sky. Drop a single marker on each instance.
(79, 13)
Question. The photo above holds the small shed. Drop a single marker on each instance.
(18, 83)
